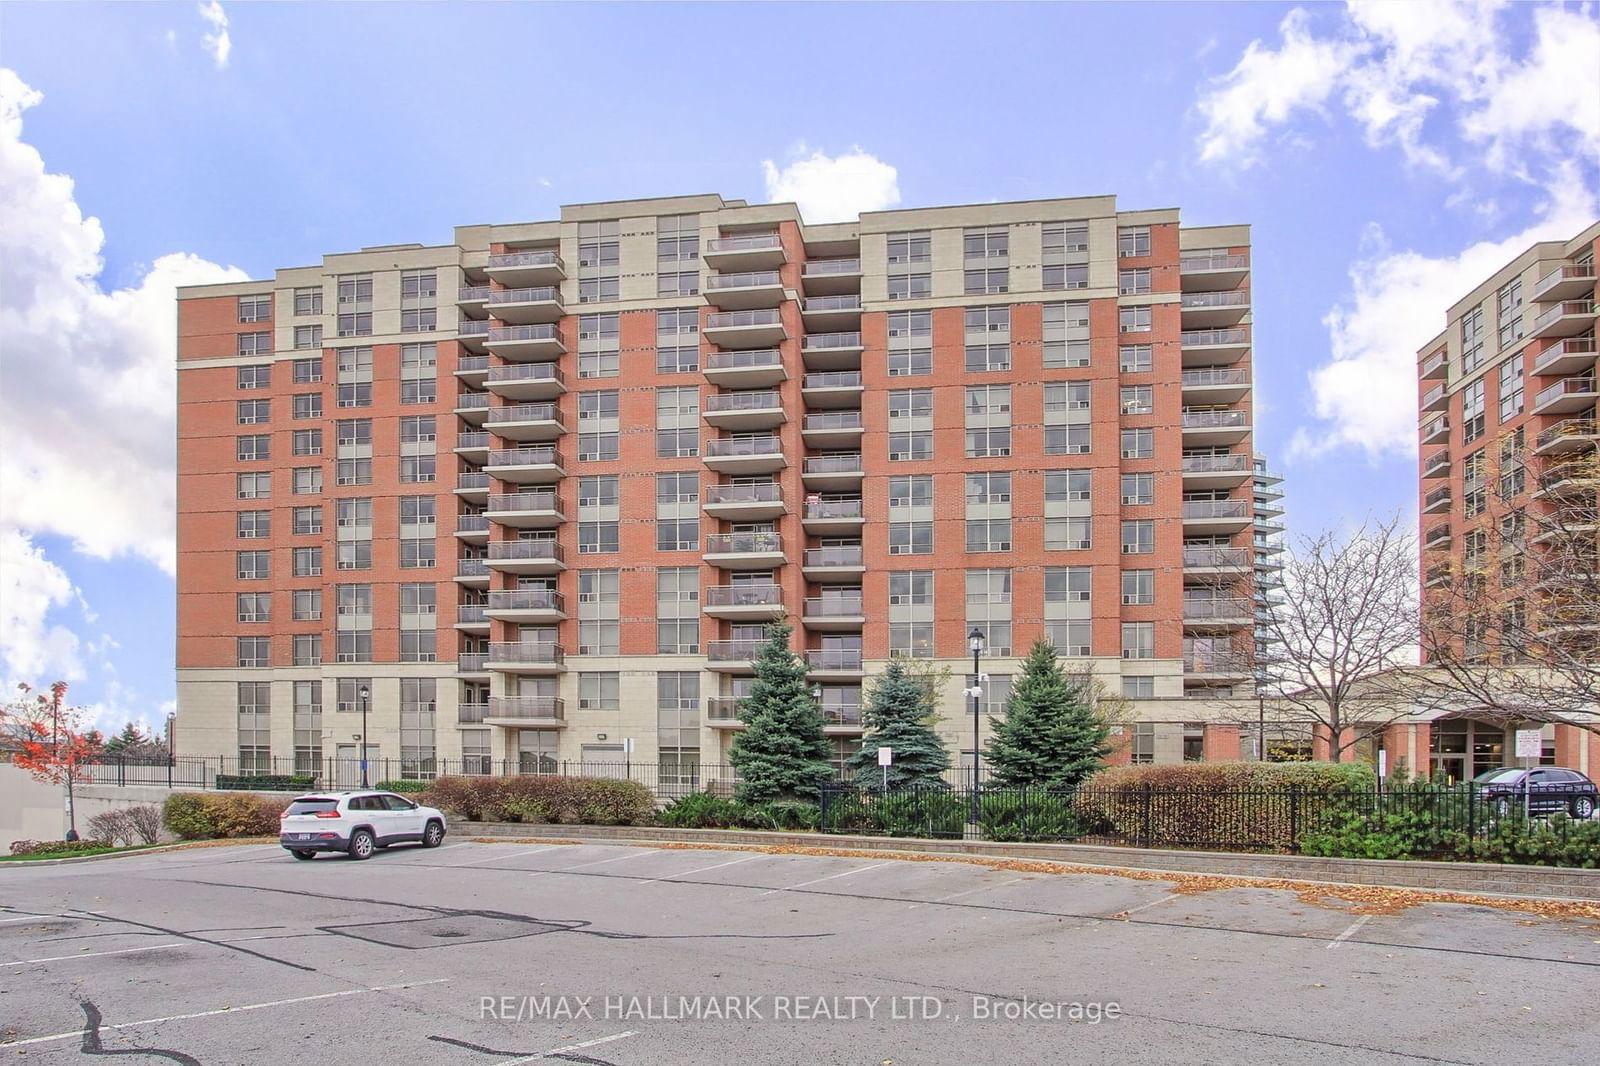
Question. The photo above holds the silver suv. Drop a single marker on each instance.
(357, 823)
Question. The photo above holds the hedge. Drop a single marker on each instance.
(402, 786)
(266, 782)
(46, 849)
(538, 799)
(202, 816)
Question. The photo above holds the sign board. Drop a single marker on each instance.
(1383, 763)
(627, 746)
(1530, 743)
(885, 756)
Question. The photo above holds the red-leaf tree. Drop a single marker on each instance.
(47, 739)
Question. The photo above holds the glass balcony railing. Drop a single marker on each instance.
(1567, 427)
(469, 713)
(472, 566)
(472, 523)
(477, 438)
(541, 294)
(1220, 607)
(1206, 338)
(744, 596)
(1214, 261)
(524, 501)
(526, 550)
(471, 662)
(1216, 464)
(524, 412)
(472, 479)
(1565, 387)
(835, 379)
(744, 359)
(722, 402)
(535, 372)
(472, 401)
(736, 447)
(472, 294)
(732, 651)
(471, 614)
(834, 659)
(832, 340)
(747, 280)
(524, 259)
(743, 319)
(824, 267)
(752, 242)
(526, 652)
(838, 420)
(843, 463)
(1235, 298)
(1216, 508)
(525, 600)
(527, 707)
(743, 543)
(1215, 376)
(1215, 419)
(763, 492)
(544, 332)
(524, 457)
(842, 509)
(834, 607)
(1214, 558)
(849, 556)
(470, 328)
(822, 304)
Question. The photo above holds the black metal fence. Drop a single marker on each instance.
(1436, 821)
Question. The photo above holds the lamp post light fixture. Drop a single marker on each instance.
(364, 694)
(975, 639)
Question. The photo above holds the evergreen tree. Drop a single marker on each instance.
(899, 715)
(1051, 735)
(126, 741)
(783, 752)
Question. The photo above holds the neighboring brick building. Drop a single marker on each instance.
(541, 488)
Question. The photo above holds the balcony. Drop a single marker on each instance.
(825, 517)
(1437, 501)
(831, 389)
(1203, 667)
(1203, 347)
(1566, 319)
(751, 368)
(835, 614)
(744, 502)
(1215, 561)
(1205, 517)
(526, 268)
(841, 719)
(473, 485)
(722, 712)
(744, 411)
(1223, 612)
(832, 351)
(1216, 471)
(527, 510)
(1436, 465)
(833, 472)
(526, 657)
(1211, 310)
(526, 557)
(1437, 536)
(1435, 367)
(1436, 430)
(744, 602)
(472, 664)
(750, 251)
(472, 528)
(1215, 426)
(526, 422)
(744, 551)
(1559, 480)
(831, 277)
(471, 713)
(526, 605)
(471, 618)
(734, 655)
(546, 712)
(472, 301)
(832, 429)
(1215, 384)
(472, 572)
(1435, 398)
(1566, 356)
(472, 407)
(520, 307)
(471, 335)
(744, 329)
(526, 381)
(1568, 435)
(830, 664)
(526, 466)
(1566, 397)
(737, 292)
(830, 314)
(1212, 272)
(1565, 282)
(838, 563)
(745, 455)
(471, 370)
(1436, 576)
(525, 343)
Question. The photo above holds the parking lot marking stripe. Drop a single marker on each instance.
(76, 1033)
(701, 870)
(25, 918)
(568, 1049)
(1147, 906)
(968, 892)
(830, 877)
(585, 865)
(91, 955)
(1348, 933)
(499, 858)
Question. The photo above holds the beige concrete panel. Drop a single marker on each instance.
(998, 214)
(1197, 237)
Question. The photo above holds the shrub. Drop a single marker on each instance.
(1026, 815)
(265, 782)
(113, 825)
(778, 814)
(187, 815)
(921, 813)
(402, 786)
(45, 849)
(542, 799)
(145, 820)
(699, 810)
(198, 815)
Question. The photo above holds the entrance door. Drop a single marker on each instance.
(347, 766)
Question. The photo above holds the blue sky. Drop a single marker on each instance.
(1387, 156)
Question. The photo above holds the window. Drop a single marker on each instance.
(598, 607)
(307, 520)
(599, 346)
(1472, 348)
(1133, 282)
(993, 280)
(1511, 386)
(1133, 319)
(677, 611)
(910, 538)
(255, 525)
(1138, 537)
(1068, 523)
(353, 472)
(1133, 241)
(255, 377)
(1066, 418)
(988, 420)
(308, 337)
(255, 308)
(254, 651)
(911, 613)
(254, 486)
(596, 537)
(353, 646)
(308, 649)
(307, 371)
(1139, 687)
(417, 553)
(1472, 411)
(353, 555)
(420, 390)
(595, 290)
(1138, 587)
(1138, 489)
(308, 301)
(910, 343)
(678, 239)
(1138, 443)
(1509, 312)
(306, 480)
(906, 362)
(677, 341)
(417, 468)
(910, 247)
(257, 448)
(1138, 640)
(307, 605)
(1066, 335)
(254, 565)
(991, 243)
(1064, 276)
(1067, 621)
(255, 607)
(904, 447)
(1143, 748)
(355, 324)
(1135, 358)
(307, 562)
(254, 344)
(1138, 399)
(252, 412)
(677, 283)
(418, 645)
(911, 286)
(306, 405)
(418, 286)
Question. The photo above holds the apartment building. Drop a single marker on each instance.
(532, 496)
(1506, 399)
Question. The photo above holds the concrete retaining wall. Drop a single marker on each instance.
(1481, 878)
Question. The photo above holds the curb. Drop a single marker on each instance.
(157, 850)
(1540, 882)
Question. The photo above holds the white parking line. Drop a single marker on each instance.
(586, 865)
(26, 918)
(501, 858)
(830, 877)
(1147, 906)
(700, 870)
(968, 892)
(76, 1033)
(1348, 933)
(90, 954)
(566, 1050)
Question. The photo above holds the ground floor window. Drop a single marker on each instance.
(1462, 748)
(536, 751)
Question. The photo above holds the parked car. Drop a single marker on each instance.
(357, 823)
(1543, 790)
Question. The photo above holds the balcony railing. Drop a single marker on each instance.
(471, 662)
(743, 359)
(1214, 261)
(842, 463)
(471, 614)
(474, 328)
(1221, 607)
(744, 596)
(838, 555)
(834, 659)
(524, 457)
(527, 707)
(1437, 496)
(526, 372)
(472, 401)
(1203, 338)
(1205, 558)
(742, 401)
(1216, 508)
(525, 501)
(733, 651)
(540, 294)
(472, 293)
(1564, 387)
(546, 332)
(524, 412)
(468, 713)
(1215, 419)
(832, 340)
(1435, 427)
(815, 304)
(833, 420)
(472, 362)
(1433, 396)
(526, 550)
(734, 447)
(833, 607)
(527, 652)
(743, 543)
(526, 600)
(840, 714)
(760, 492)
(743, 319)
(1562, 310)
(1567, 427)
(1235, 298)
(832, 379)
(1215, 376)
(472, 523)
(1582, 346)
(823, 509)
(524, 259)
(472, 479)
(722, 709)
(1432, 363)
(818, 267)
(754, 242)
(747, 280)
(1437, 463)
(1568, 272)
(472, 566)
(1216, 464)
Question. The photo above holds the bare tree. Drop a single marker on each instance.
(1341, 641)
(1512, 606)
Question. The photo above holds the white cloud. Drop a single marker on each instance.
(32, 648)
(216, 41)
(1365, 396)
(833, 188)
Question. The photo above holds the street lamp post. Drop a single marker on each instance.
(975, 639)
(364, 695)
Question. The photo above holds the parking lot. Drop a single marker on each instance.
(499, 953)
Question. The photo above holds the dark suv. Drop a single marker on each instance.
(1543, 790)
